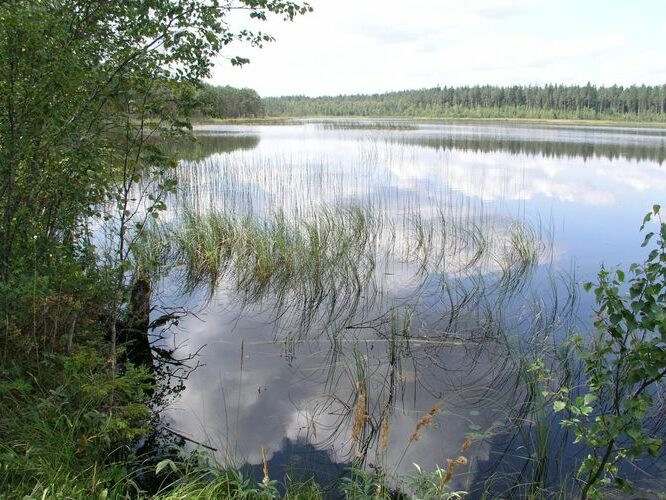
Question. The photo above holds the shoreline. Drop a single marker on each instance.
(274, 120)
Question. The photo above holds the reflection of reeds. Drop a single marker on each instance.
(336, 257)
(272, 239)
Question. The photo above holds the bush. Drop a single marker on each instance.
(623, 364)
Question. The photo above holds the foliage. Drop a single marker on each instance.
(550, 101)
(624, 364)
(229, 102)
(62, 435)
(434, 485)
(211, 483)
(89, 94)
(86, 89)
(363, 484)
(303, 490)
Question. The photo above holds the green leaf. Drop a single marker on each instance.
(647, 239)
(166, 463)
(655, 447)
(624, 485)
(589, 398)
(635, 433)
(559, 406)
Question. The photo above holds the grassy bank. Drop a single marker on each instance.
(70, 431)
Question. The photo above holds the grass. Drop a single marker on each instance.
(62, 434)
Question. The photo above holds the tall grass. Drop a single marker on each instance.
(332, 270)
(435, 286)
(345, 257)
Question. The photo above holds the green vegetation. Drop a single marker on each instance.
(333, 262)
(635, 103)
(67, 424)
(91, 95)
(86, 91)
(616, 413)
(228, 102)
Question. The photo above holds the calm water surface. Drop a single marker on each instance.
(449, 321)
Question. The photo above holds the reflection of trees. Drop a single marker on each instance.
(548, 149)
(204, 145)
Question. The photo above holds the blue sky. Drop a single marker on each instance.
(367, 46)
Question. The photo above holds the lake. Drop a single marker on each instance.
(384, 269)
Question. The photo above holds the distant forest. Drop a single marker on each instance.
(634, 103)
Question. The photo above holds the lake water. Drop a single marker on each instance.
(481, 233)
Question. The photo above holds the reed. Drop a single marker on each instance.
(359, 420)
(424, 422)
(340, 257)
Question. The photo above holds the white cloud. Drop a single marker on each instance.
(347, 46)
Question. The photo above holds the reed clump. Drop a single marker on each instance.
(338, 255)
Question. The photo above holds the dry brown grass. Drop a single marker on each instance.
(452, 463)
(384, 433)
(360, 418)
(266, 479)
(425, 421)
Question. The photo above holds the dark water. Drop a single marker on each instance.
(450, 318)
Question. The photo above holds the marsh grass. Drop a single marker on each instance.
(430, 285)
(532, 450)
(313, 257)
(342, 257)
(393, 125)
(328, 271)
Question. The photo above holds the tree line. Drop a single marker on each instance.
(228, 102)
(487, 101)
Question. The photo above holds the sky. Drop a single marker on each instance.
(371, 46)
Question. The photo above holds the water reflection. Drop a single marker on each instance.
(425, 234)
(379, 167)
(584, 142)
(207, 144)
(263, 384)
